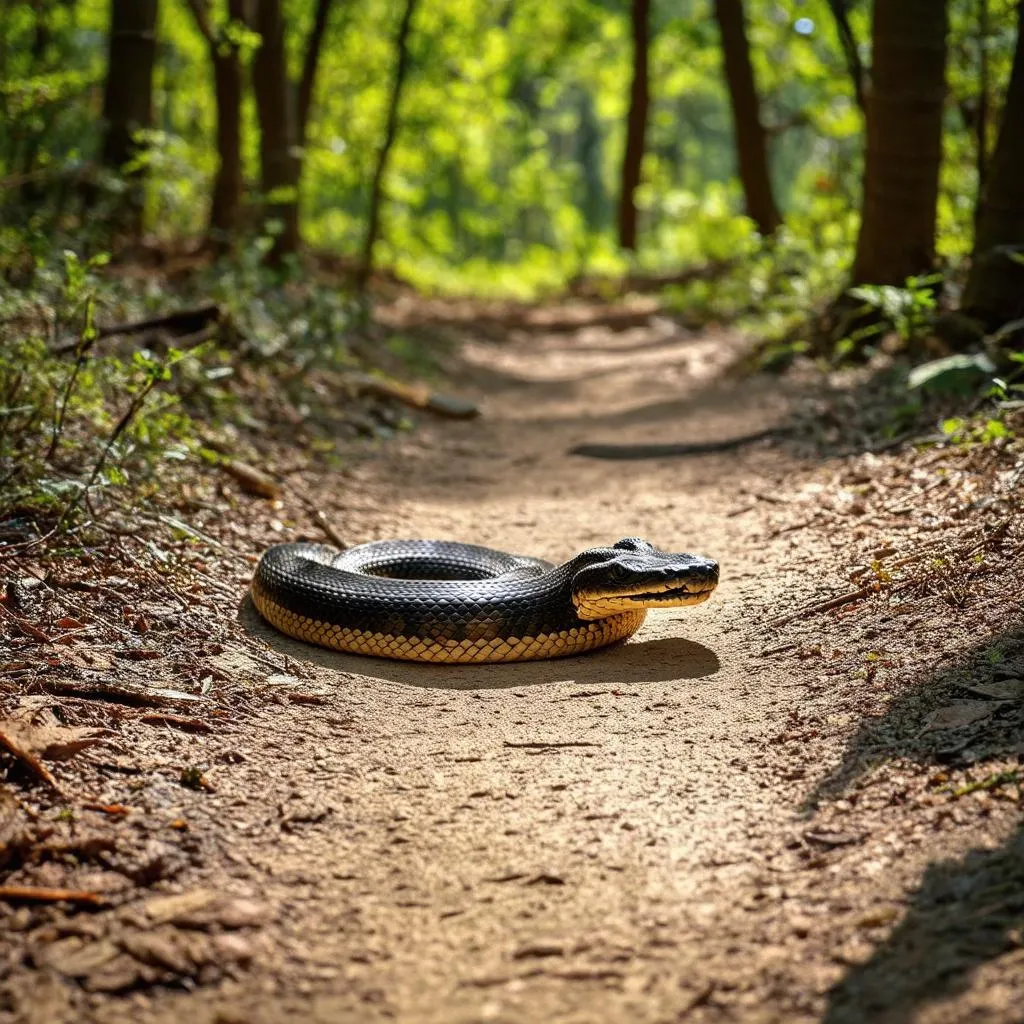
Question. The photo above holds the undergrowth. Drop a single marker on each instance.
(93, 411)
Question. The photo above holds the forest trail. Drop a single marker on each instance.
(616, 837)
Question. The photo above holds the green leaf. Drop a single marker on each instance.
(957, 375)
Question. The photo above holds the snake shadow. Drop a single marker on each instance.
(636, 661)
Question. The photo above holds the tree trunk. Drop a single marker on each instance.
(636, 126)
(904, 141)
(279, 162)
(995, 286)
(226, 200)
(226, 203)
(128, 93)
(390, 132)
(751, 144)
(851, 53)
(314, 47)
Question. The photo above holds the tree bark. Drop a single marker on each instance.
(314, 47)
(128, 94)
(994, 293)
(848, 41)
(226, 199)
(751, 144)
(636, 126)
(904, 141)
(279, 162)
(390, 132)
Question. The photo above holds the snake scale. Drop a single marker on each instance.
(442, 601)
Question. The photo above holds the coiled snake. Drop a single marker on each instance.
(440, 601)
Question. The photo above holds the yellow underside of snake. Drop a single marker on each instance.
(481, 650)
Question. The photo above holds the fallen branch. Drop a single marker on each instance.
(416, 396)
(117, 693)
(192, 325)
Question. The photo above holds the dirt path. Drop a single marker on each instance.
(625, 836)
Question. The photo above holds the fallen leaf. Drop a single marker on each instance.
(12, 739)
(47, 739)
(956, 716)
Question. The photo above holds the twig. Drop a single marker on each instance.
(9, 740)
(328, 527)
(177, 722)
(81, 348)
(546, 746)
(827, 606)
(781, 649)
(41, 894)
(122, 424)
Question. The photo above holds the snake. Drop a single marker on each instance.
(453, 603)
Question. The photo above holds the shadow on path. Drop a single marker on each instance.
(900, 733)
(966, 912)
(638, 661)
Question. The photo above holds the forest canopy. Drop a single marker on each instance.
(766, 156)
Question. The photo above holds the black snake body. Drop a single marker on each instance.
(442, 601)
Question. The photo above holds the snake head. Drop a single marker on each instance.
(634, 574)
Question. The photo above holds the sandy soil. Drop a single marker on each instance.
(722, 820)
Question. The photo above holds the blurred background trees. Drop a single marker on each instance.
(769, 154)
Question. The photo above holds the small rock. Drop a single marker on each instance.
(172, 909)
(877, 917)
(77, 958)
(854, 953)
(232, 949)
(157, 949)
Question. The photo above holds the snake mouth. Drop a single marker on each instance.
(671, 594)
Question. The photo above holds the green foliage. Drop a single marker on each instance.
(504, 176)
(909, 310)
(72, 421)
(959, 374)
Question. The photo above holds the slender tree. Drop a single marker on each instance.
(228, 86)
(995, 286)
(636, 125)
(851, 51)
(283, 110)
(751, 143)
(390, 133)
(279, 163)
(310, 65)
(128, 94)
(904, 141)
